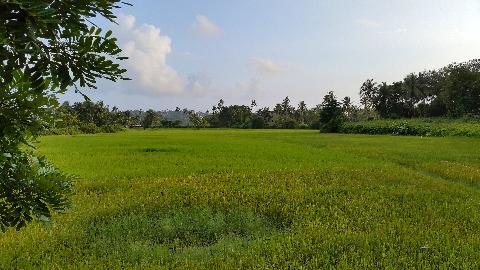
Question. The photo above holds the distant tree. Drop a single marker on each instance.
(381, 101)
(312, 117)
(413, 93)
(220, 104)
(368, 92)
(287, 109)
(258, 122)
(302, 110)
(331, 116)
(151, 119)
(347, 107)
(234, 116)
(253, 104)
(197, 120)
(284, 115)
(266, 115)
(461, 91)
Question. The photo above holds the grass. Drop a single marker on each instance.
(258, 199)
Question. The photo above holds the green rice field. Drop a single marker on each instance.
(263, 199)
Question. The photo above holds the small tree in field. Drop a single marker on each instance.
(331, 116)
(46, 47)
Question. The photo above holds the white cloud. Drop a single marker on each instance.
(126, 22)
(267, 66)
(199, 84)
(368, 23)
(205, 28)
(147, 50)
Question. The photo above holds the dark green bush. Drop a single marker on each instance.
(89, 128)
(29, 189)
(440, 127)
(111, 128)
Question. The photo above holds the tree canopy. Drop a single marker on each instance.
(452, 91)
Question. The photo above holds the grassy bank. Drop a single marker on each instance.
(258, 199)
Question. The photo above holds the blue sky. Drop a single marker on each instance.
(190, 53)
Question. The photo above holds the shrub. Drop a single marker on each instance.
(439, 127)
(89, 128)
(29, 189)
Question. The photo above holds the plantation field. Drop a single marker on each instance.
(268, 199)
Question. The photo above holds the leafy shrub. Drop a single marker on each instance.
(111, 128)
(439, 127)
(89, 128)
(29, 189)
(73, 130)
(83, 129)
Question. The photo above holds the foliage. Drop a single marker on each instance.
(438, 127)
(30, 189)
(45, 47)
(197, 120)
(450, 91)
(151, 119)
(283, 116)
(234, 116)
(331, 116)
(268, 199)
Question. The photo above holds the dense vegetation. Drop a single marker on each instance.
(87, 117)
(270, 199)
(450, 91)
(46, 47)
(439, 127)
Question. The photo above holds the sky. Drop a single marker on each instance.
(190, 53)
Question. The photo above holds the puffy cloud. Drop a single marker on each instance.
(368, 23)
(126, 22)
(267, 66)
(147, 50)
(205, 28)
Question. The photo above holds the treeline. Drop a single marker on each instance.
(88, 117)
(452, 91)
(97, 117)
(284, 115)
